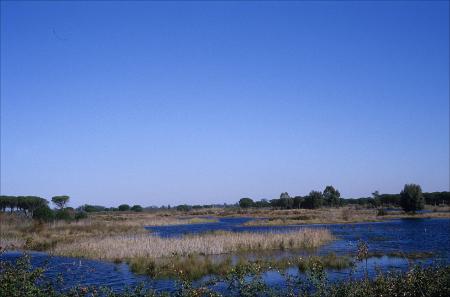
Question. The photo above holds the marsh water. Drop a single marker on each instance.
(402, 235)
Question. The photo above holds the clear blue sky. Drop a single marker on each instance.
(207, 102)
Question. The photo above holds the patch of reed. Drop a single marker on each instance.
(330, 260)
(150, 246)
(20, 232)
(194, 267)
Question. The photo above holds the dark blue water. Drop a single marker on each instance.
(406, 235)
(88, 272)
(225, 224)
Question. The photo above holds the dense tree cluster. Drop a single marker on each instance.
(315, 199)
(331, 197)
(436, 198)
(393, 200)
(37, 207)
(98, 208)
(26, 204)
(93, 208)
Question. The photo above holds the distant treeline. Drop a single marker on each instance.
(431, 198)
(138, 208)
(37, 207)
(315, 199)
(331, 197)
(28, 205)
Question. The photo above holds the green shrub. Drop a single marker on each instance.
(411, 198)
(137, 208)
(44, 214)
(124, 207)
(81, 215)
(64, 214)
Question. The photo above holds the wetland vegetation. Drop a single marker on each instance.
(20, 278)
(194, 244)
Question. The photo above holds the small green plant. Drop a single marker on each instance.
(363, 253)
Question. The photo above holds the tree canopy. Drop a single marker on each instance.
(124, 207)
(136, 208)
(314, 200)
(331, 196)
(246, 202)
(411, 198)
(60, 201)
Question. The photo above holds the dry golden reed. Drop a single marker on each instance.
(151, 246)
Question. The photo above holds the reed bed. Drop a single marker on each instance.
(195, 267)
(148, 219)
(20, 232)
(348, 214)
(149, 246)
(317, 216)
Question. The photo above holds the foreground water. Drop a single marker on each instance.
(405, 235)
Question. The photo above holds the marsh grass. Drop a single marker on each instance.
(149, 219)
(330, 260)
(189, 257)
(315, 216)
(19, 232)
(194, 267)
(202, 220)
(150, 246)
(342, 215)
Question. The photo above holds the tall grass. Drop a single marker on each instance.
(342, 215)
(149, 246)
(20, 232)
(194, 267)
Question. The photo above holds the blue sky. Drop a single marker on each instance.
(207, 102)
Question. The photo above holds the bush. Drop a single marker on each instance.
(246, 202)
(20, 279)
(314, 200)
(137, 208)
(124, 207)
(411, 198)
(81, 215)
(64, 214)
(44, 214)
(183, 207)
(93, 208)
